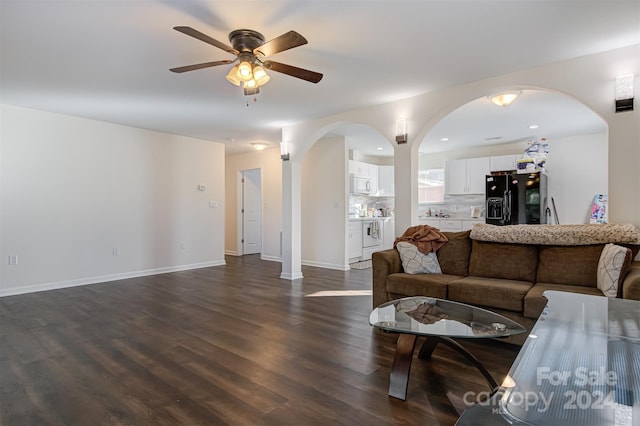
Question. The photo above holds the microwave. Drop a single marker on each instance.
(360, 185)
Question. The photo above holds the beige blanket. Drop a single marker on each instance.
(561, 235)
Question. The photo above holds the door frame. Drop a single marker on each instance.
(240, 214)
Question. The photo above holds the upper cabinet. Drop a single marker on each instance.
(381, 178)
(466, 176)
(358, 168)
(386, 179)
(503, 163)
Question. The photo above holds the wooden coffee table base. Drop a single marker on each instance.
(399, 380)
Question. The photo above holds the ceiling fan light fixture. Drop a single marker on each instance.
(245, 72)
(504, 99)
(232, 77)
(260, 75)
(250, 91)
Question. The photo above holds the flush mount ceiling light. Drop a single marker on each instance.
(504, 99)
(259, 146)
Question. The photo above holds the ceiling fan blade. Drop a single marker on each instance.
(281, 43)
(200, 66)
(301, 73)
(203, 37)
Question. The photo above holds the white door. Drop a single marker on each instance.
(251, 217)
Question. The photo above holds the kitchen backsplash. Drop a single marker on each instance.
(362, 205)
(455, 206)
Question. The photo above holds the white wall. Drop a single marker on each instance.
(324, 209)
(74, 189)
(269, 162)
(578, 170)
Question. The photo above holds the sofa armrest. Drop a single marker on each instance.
(384, 263)
(631, 283)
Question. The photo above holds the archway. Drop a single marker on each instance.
(327, 203)
(577, 136)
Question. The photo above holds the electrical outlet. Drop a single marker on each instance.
(115, 251)
(182, 245)
(213, 204)
(13, 259)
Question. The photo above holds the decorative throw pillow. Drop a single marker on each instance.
(416, 262)
(610, 267)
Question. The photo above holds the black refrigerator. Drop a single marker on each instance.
(517, 199)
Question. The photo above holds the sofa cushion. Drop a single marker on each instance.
(534, 301)
(454, 255)
(490, 292)
(570, 265)
(430, 285)
(503, 260)
(613, 266)
(416, 262)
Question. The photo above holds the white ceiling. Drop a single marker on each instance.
(109, 60)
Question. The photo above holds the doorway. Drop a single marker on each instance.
(250, 212)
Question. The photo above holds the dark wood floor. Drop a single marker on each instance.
(230, 344)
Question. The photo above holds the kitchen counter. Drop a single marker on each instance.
(451, 224)
(369, 218)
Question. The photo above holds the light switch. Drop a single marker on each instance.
(213, 204)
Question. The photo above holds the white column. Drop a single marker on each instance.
(291, 215)
(406, 187)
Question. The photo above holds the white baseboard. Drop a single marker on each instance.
(287, 276)
(12, 291)
(271, 258)
(326, 265)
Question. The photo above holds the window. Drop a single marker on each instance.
(431, 186)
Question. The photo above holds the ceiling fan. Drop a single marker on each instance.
(250, 49)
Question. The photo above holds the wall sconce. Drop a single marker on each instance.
(401, 130)
(284, 152)
(624, 93)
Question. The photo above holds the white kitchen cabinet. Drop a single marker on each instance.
(502, 163)
(466, 176)
(354, 238)
(468, 224)
(450, 225)
(358, 168)
(386, 181)
(431, 222)
(373, 177)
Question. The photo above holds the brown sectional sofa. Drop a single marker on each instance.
(503, 277)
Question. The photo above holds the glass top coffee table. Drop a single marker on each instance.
(580, 366)
(440, 321)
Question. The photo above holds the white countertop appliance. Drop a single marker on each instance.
(360, 185)
(372, 233)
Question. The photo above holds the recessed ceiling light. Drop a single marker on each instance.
(444, 139)
(534, 126)
(379, 148)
